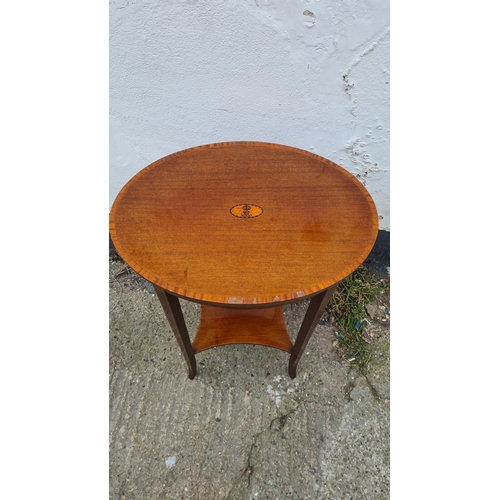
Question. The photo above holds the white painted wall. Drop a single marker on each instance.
(313, 74)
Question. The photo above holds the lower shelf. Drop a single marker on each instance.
(219, 326)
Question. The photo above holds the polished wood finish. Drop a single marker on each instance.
(222, 326)
(314, 312)
(172, 223)
(243, 228)
(173, 311)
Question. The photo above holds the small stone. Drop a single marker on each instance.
(371, 310)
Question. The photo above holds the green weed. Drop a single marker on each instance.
(347, 306)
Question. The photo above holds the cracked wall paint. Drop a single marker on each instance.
(309, 74)
(347, 77)
(368, 151)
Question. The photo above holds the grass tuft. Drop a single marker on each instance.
(347, 305)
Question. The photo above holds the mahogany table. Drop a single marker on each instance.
(243, 228)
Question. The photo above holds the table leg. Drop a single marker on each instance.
(173, 311)
(313, 315)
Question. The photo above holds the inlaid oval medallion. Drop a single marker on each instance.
(246, 211)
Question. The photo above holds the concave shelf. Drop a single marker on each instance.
(219, 326)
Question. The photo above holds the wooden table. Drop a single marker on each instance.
(243, 228)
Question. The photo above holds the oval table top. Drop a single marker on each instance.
(243, 223)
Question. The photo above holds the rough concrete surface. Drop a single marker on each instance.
(242, 428)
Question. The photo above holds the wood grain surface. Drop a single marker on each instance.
(173, 223)
(222, 326)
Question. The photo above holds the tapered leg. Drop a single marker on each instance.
(313, 315)
(172, 308)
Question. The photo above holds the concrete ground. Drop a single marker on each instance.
(242, 428)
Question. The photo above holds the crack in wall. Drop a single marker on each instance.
(347, 83)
